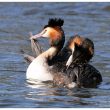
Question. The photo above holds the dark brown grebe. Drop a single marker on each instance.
(74, 61)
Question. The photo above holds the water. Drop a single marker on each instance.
(90, 20)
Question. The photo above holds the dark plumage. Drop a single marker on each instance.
(82, 54)
(54, 22)
(85, 75)
(80, 71)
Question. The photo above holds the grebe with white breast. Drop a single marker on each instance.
(39, 69)
(72, 59)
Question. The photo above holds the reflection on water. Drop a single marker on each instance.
(90, 20)
(59, 97)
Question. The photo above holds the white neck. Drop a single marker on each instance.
(50, 53)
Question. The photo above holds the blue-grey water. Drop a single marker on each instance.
(90, 20)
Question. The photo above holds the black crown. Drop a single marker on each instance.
(55, 22)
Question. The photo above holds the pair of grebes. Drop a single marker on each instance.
(66, 66)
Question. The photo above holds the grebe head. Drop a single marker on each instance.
(53, 30)
(82, 49)
(88, 45)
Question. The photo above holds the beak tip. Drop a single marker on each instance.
(33, 37)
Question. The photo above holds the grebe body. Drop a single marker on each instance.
(39, 69)
(78, 52)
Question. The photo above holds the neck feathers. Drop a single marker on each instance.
(50, 53)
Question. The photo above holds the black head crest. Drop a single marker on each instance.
(55, 22)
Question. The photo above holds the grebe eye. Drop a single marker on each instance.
(44, 32)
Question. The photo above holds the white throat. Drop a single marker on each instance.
(50, 53)
(70, 59)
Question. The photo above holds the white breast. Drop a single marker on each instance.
(39, 70)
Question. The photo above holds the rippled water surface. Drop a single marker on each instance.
(90, 20)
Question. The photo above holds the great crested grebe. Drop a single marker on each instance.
(72, 59)
(39, 68)
(76, 56)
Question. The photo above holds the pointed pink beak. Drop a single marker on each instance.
(35, 36)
